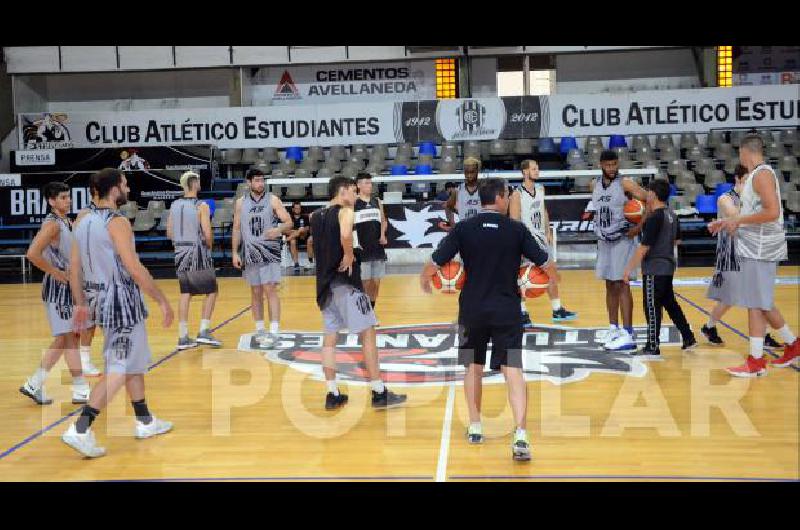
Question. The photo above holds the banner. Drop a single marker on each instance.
(382, 122)
(338, 83)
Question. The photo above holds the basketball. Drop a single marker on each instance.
(450, 278)
(532, 281)
(634, 210)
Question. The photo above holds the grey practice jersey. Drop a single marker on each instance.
(57, 256)
(256, 218)
(765, 241)
(609, 221)
(467, 204)
(532, 212)
(191, 251)
(119, 301)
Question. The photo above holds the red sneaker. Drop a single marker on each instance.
(790, 353)
(752, 367)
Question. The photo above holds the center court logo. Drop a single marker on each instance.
(427, 355)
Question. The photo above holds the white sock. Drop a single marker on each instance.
(183, 329)
(787, 335)
(86, 352)
(522, 307)
(204, 325)
(711, 322)
(520, 434)
(757, 347)
(332, 387)
(273, 327)
(377, 386)
(556, 303)
(38, 377)
(475, 426)
(259, 325)
(612, 327)
(78, 381)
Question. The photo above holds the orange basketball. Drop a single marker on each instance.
(532, 281)
(450, 278)
(634, 210)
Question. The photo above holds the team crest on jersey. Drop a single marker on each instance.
(427, 355)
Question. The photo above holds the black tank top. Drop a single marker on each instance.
(328, 253)
(367, 224)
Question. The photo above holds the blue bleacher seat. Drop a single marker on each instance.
(399, 169)
(547, 145)
(423, 169)
(673, 190)
(567, 143)
(617, 140)
(706, 204)
(427, 148)
(294, 153)
(212, 205)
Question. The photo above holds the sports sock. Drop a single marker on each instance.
(259, 325)
(629, 329)
(757, 347)
(556, 303)
(522, 306)
(711, 322)
(78, 381)
(204, 325)
(38, 377)
(378, 386)
(142, 412)
(787, 335)
(183, 329)
(520, 434)
(86, 352)
(475, 427)
(332, 387)
(87, 417)
(273, 327)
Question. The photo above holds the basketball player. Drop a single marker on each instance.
(727, 266)
(189, 228)
(760, 245)
(105, 256)
(87, 335)
(527, 206)
(299, 232)
(615, 247)
(256, 227)
(370, 227)
(464, 200)
(656, 253)
(340, 295)
(491, 246)
(49, 252)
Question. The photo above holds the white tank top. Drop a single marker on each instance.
(532, 211)
(766, 241)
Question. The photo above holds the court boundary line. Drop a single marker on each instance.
(731, 328)
(277, 479)
(50, 427)
(444, 446)
(617, 477)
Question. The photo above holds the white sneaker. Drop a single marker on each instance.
(80, 394)
(266, 340)
(89, 369)
(154, 428)
(622, 342)
(84, 443)
(610, 334)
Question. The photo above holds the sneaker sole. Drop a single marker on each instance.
(209, 343)
(784, 365)
(393, 406)
(76, 449)
(751, 375)
(80, 401)
(479, 442)
(181, 348)
(632, 347)
(690, 348)
(33, 397)
(159, 433)
(565, 319)
(521, 457)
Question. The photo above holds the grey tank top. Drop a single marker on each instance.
(766, 241)
(609, 222)
(57, 256)
(256, 218)
(468, 204)
(118, 300)
(191, 251)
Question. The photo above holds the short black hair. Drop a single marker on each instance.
(449, 185)
(52, 189)
(661, 188)
(105, 180)
(363, 175)
(253, 172)
(490, 188)
(740, 171)
(608, 155)
(337, 183)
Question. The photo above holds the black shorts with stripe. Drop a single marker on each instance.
(198, 282)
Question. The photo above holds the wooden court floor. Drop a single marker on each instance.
(240, 416)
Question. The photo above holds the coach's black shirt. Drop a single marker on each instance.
(328, 253)
(490, 245)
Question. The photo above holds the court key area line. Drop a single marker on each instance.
(444, 446)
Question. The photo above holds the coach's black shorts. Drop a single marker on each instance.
(506, 345)
(198, 282)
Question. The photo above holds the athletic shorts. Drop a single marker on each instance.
(506, 345)
(613, 257)
(198, 282)
(126, 350)
(262, 273)
(756, 287)
(724, 286)
(348, 309)
(59, 317)
(546, 248)
(373, 270)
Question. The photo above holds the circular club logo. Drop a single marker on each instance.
(427, 355)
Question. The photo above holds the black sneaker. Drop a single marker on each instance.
(711, 334)
(689, 344)
(334, 402)
(769, 342)
(648, 353)
(297, 268)
(560, 315)
(525, 318)
(387, 400)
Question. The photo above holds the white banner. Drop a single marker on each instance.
(37, 157)
(10, 180)
(331, 83)
(673, 111)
